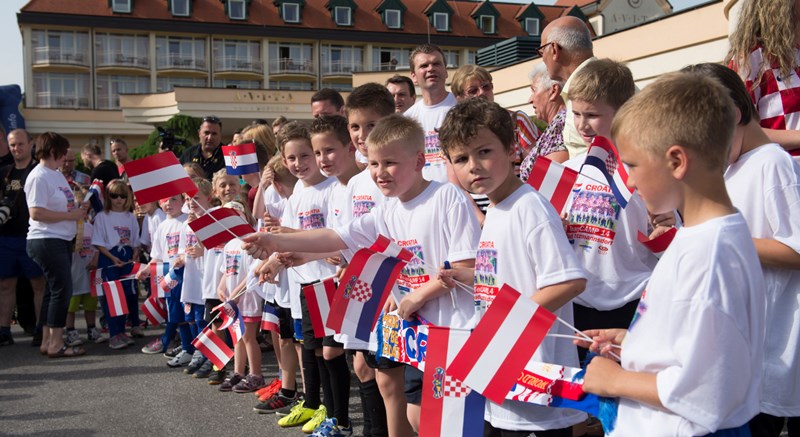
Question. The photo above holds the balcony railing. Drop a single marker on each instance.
(235, 64)
(390, 66)
(57, 55)
(181, 62)
(290, 66)
(340, 68)
(51, 100)
(120, 59)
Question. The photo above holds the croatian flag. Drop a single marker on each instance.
(603, 155)
(449, 407)
(171, 280)
(240, 159)
(504, 340)
(659, 244)
(365, 286)
(236, 330)
(95, 195)
(219, 226)
(318, 298)
(269, 318)
(157, 273)
(228, 313)
(553, 181)
(158, 177)
(96, 282)
(115, 297)
(212, 347)
(155, 310)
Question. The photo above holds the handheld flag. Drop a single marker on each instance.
(228, 313)
(236, 330)
(504, 340)
(240, 159)
(527, 132)
(403, 341)
(95, 195)
(659, 244)
(553, 181)
(219, 226)
(318, 298)
(449, 407)
(96, 282)
(171, 280)
(157, 273)
(603, 155)
(155, 310)
(158, 177)
(365, 286)
(212, 347)
(115, 297)
(269, 318)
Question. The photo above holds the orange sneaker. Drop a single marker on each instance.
(270, 390)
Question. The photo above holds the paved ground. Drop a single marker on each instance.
(123, 392)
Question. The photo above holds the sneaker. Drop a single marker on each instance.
(276, 403)
(182, 359)
(297, 416)
(6, 339)
(154, 347)
(137, 332)
(231, 382)
(73, 338)
(172, 353)
(197, 360)
(37, 339)
(330, 428)
(204, 371)
(316, 420)
(269, 391)
(250, 384)
(217, 376)
(95, 336)
(117, 342)
(129, 341)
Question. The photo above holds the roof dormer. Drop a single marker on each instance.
(290, 11)
(530, 18)
(121, 6)
(236, 9)
(342, 11)
(392, 12)
(485, 16)
(439, 14)
(180, 8)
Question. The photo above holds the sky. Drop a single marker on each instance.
(11, 71)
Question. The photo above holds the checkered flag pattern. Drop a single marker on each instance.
(454, 388)
(362, 292)
(777, 98)
(233, 159)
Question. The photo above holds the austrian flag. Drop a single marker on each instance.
(318, 298)
(553, 181)
(219, 226)
(210, 345)
(240, 159)
(158, 177)
(115, 297)
(155, 310)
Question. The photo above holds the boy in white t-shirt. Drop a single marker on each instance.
(522, 244)
(692, 357)
(764, 184)
(432, 220)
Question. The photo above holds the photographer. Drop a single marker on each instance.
(208, 154)
(14, 218)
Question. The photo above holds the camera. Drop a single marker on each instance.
(5, 210)
(168, 139)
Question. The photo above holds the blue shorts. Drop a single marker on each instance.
(298, 329)
(16, 262)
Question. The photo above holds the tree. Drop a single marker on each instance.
(183, 127)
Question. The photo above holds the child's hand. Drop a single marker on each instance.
(187, 308)
(601, 374)
(179, 262)
(143, 274)
(258, 245)
(92, 265)
(390, 305)
(268, 270)
(564, 221)
(195, 251)
(659, 231)
(334, 260)
(604, 341)
(667, 219)
(267, 176)
(270, 221)
(117, 262)
(409, 305)
(448, 278)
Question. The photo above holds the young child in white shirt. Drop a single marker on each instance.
(84, 259)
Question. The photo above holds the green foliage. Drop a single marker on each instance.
(183, 126)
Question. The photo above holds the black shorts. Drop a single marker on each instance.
(413, 385)
(286, 324)
(210, 312)
(382, 364)
(309, 341)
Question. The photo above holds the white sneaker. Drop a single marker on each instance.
(180, 360)
(117, 342)
(95, 336)
(73, 338)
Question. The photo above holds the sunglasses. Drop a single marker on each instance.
(118, 196)
(211, 119)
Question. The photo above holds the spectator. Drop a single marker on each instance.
(327, 101)
(208, 153)
(119, 150)
(278, 123)
(74, 177)
(403, 91)
(102, 169)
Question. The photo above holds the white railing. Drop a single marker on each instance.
(181, 62)
(334, 68)
(291, 66)
(52, 100)
(57, 55)
(120, 59)
(234, 63)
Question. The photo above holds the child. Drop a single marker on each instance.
(763, 182)
(116, 236)
(523, 236)
(431, 219)
(151, 216)
(226, 187)
(235, 267)
(83, 259)
(692, 357)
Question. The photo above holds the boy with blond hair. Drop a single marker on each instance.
(692, 356)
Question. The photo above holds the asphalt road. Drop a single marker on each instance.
(126, 392)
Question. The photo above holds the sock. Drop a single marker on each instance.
(325, 382)
(5, 330)
(186, 337)
(374, 409)
(90, 327)
(340, 386)
(312, 381)
(288, 393)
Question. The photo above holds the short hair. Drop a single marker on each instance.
(51, 145)
(372, 97)
(280, 121)
(603, 80)
(203, 186)
(398, 79)
(424, 48)
(330, 95)
(281, 174)
(464, 74)
(220, 175)
(265, 141)
(690, 110)
(571, 38)
(213, 119)
(194, 167)
(121, 141)
(736, 88)
(117, 186)
(463, 121)
(293, 130)
(92, 149)
(21, 130)
(540, 74)
(396, 127)
(335, 124)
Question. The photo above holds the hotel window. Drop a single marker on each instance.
(393, 18)
(110, 87)
(60, 47)
(237, 9)
(293, 58)
(121, 6)
(487, 24)
(338, 59)
(181, 53)
(389, 58)
(441, 21)
(121, 50)
(451, 58)
(291, 12)
(179, 8)
(532, 26)
(61, 90)
(343, 16)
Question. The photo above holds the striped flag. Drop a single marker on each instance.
(171, 280)
(603, 155)
(95, 195)
(527, 132)
(96, 282)
(269, 318)
(504, 340)
(538, 383)
(155, 310)
(219, 226)
(365, 286)
(318, 298)
(228, 313)
(115, 297)
(553, 181)
(236, 330)
(136, 268)
(158, 177)
(157, 273)
(449, 407)
(659, 244)
(212, 347)
(240, 159)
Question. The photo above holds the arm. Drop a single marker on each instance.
(559, 156)
(117, 262)
(605, 377)
(773, 253)
(788, 139)
(415, 300)
(261, 245)
(45, 215)
(555, 296)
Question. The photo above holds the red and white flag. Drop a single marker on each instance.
(212, 347)
(115, 296)
(502, 343)
(269, 318)
(365, 286)
(96, 282)
(553, 181)
(659, 244)
(228, 313)
(155, 310)
(135, 269)
(318, 298)
(219, 226)
(157, 273)
(158, 177)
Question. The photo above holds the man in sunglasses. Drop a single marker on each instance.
(208, 153)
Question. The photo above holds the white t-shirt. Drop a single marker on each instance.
(604, 237)
(149, 226)
(166, 239)
(235, 268)
(116, 229)
(48, 189)
(764, 184)
(192, 288)
(523, 245)
(431, 118)
(80, 259)
(438, 225)
(280, 292)
(700, 328)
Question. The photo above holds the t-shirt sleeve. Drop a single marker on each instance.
(157, 251)
(783, 207)
(144, 239)
(462, 226)
(554, 260)
(361, 232)
(135, 240)
(99, 234)
(39, 191)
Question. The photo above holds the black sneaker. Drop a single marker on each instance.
(216, 377)
(204, 371)
(37, 339)
(6, 339)
(172, 353)
(276, 404)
